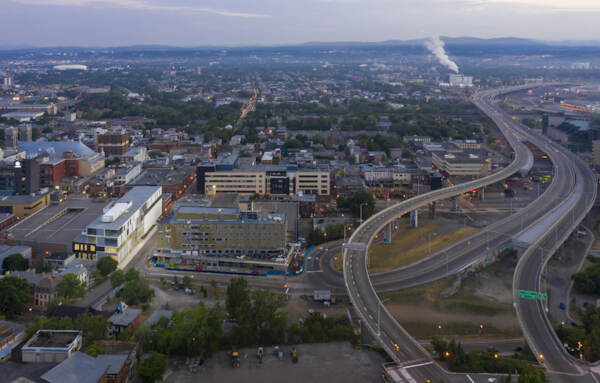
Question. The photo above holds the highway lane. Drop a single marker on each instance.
(532, 313)
(393, 338)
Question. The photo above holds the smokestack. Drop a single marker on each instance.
(436, 46)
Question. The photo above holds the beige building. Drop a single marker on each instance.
(214, 238)
(461, 164)
(271, 180)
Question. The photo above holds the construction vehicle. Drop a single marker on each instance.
(235, 358)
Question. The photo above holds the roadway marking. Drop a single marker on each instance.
(419, 365)
(470, 379)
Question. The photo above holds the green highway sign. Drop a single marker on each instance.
(532, 295)
(527, 294)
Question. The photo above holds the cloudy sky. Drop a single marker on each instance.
(266, 22)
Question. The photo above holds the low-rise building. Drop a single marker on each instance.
(51, 346)
(11, 334)
(124, 319)
(45, 290)
(83, 368)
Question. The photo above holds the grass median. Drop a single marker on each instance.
(410, 245)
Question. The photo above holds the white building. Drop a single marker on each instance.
(460, 80)
(120, 231)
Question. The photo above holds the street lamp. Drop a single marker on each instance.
(429, 237)
(360, 208)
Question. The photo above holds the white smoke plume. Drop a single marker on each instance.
(436, 46)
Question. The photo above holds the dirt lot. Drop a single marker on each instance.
(326, 362)
(412, 244)
(484, 299)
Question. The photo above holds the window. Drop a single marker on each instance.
(92, 231)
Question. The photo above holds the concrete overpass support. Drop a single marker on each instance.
(414, 218)
(387, 233)
(454, 204)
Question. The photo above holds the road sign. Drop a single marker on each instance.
(527, 294)
(542, 296)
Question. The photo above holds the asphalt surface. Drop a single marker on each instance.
(392, 337)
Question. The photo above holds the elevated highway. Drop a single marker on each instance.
(393, 338)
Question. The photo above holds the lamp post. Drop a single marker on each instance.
(360, 208)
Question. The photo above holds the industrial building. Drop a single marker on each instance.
(218, 238)
(119, 232)
(54, 346)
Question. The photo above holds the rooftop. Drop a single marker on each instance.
(79, 368)
(222, 213)
(162, 176)
(134, 199)
(123, 319)
(59, 223)
(33, 148)
(53, 339)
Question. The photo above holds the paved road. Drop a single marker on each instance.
(392, 337)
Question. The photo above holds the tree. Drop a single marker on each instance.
(15, 262)
(238, 299)
(117, 278)
(136, 291)
(187, 282)
(14, 297)
(94, 327)
(71, 287)
(95, 350)
(152, 368)
(53, 304)
(213, 284)
(106, 265)
(361, 198)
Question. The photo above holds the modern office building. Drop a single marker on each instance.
(215, 237)
(27, 176)
(461, 164)
(265, 180)
(119, 232)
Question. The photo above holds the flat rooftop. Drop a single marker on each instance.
(138, 196)
(162, 176)
(59, 223)
(52, 339)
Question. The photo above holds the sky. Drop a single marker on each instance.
(275, 22)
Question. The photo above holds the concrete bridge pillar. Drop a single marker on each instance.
(414, 218)
(387, 233)
(454, 204)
